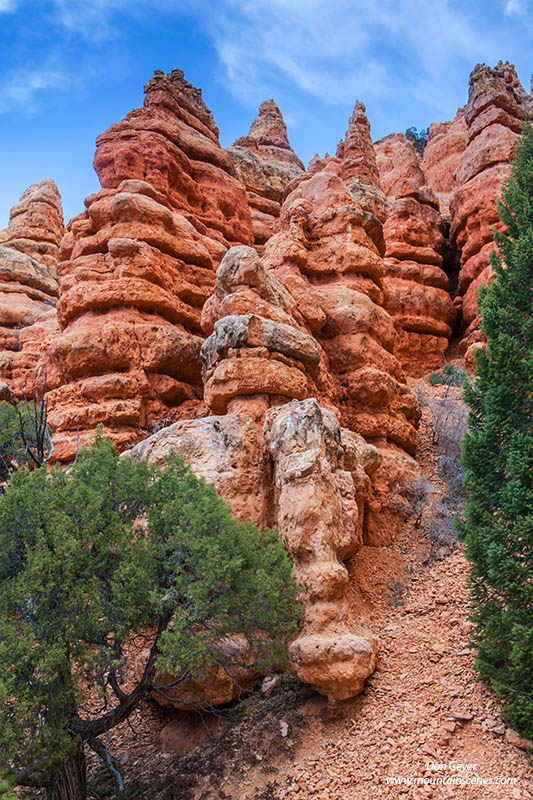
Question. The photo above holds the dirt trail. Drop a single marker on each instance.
(423, 704)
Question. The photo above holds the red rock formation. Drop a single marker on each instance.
(265, 162)
(218, 685)
(416, 287)
(494, 116)
(445, 146)
(329, 254)
(260, 351)
(28, 287)
(311, 327)
(36, 224)
(330, 251)
(137, 267)
(356, 151)
(260, 354)
(359, 169)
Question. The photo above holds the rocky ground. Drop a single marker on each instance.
(423, 714)
(422, 707)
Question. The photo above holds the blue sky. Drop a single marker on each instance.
(70, 68)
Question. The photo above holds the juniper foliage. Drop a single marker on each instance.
(92, 557)
(498, 458)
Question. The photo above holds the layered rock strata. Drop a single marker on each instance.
(260, 354)
(494, 116)
(330, 251)
(28, 286)
(446, 143)
(265, 163)
(359, 169)
(36, 224)
(329, 255)
(253, 364)
(136, 268)
(416, 286)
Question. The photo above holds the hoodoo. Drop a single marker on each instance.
(136, 268)
(494, 115)
(265, 163)
(416, 287)
(29, 249)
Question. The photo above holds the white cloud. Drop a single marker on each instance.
(332, 50)
(7, 6)
(337, 50)
(93, 19)
(21, 87)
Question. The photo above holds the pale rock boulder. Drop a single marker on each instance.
(319, 508)
(260, 351)
(225, 450)
(319, 493)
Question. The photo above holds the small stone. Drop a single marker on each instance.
(514, 738)
(284, 728)
(462, 716)
(269, 684)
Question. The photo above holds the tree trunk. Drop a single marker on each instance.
(70, 783)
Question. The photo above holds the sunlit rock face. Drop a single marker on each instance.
(136, 268)
(416, 286)
(29, 249)
(445, 145)
(36, 224)
(265, 163)
(494, 116)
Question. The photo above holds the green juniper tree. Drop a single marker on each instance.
(498, 457)
(419, 139)
(91, 558)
